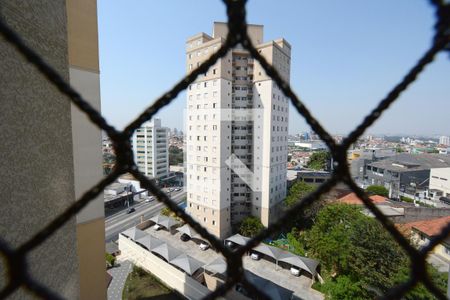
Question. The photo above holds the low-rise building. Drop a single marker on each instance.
(404, 173)
(439, 188)
(423, 231)
(313, 177)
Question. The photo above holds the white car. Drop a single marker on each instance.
(149, 199)
(295, 271)
(203, 246)
(157, 227)
(254, 256)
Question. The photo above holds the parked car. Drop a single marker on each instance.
(171, 189)
(254, 256)
(130, 210)
(184, 237)
(157, 227)
(295, 271)
(203, 246)
(177, 189)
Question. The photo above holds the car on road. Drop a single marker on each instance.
(203, 246)
(149, 199)
(130, 210)
(157, 227)
(177, 189)
(171, 189)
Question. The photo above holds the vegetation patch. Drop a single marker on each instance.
(141, 284)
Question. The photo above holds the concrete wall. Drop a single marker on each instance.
(37, 172)
(413, 214)
(168, 274)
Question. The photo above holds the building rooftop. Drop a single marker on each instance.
(353, 199)
(430, 227)
(413, 162)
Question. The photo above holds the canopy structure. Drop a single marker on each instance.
(238, 239)
(273, 252)
(217, 266)
(188, 230)
(134, 233)
(186, 263)
(303, 263)
(149, 242)
(158, 218)
(272, 290)
(166, 251)
(164, 221)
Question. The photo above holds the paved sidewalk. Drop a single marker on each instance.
(119, 276)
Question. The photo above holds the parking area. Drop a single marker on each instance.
(301, 286)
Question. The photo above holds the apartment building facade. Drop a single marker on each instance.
(151, 149)
(236, 132)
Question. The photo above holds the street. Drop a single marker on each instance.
(121, 221)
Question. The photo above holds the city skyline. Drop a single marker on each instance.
(340, 86)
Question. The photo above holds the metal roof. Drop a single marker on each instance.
(188, 230)
(238, 239)
(412, 162)
(149, 242)
(217, 266)
(134, 233)
(167, 252)
(186, 263)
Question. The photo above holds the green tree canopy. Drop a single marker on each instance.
(377, 190)
(305, 217)
(319, 160)
(347, 242)
(250, 226)
(175, 155)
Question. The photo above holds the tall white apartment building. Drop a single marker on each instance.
(444, 140)
(237, 127)
(151, 150)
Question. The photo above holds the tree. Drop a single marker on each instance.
(420, 291)
(250, 226)
(110, 259)
(342, 288)
(347, 242)
(175, 155)
(305, 217)
(377, 190)
(297, 191)
(319, 160)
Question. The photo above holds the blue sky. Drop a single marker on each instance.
(346, 56)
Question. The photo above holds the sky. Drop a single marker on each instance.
(346, 57)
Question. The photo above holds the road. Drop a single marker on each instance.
(121, 221)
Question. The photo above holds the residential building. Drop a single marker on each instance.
(404, 173)
(423, 231)
(151, 150)
(52, 163)
(444, 140)
(237, 131)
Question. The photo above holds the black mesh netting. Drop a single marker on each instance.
(16, 259)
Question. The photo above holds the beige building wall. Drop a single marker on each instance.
(37, 169)
(85, 78)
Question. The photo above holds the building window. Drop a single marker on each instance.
(213, 222)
